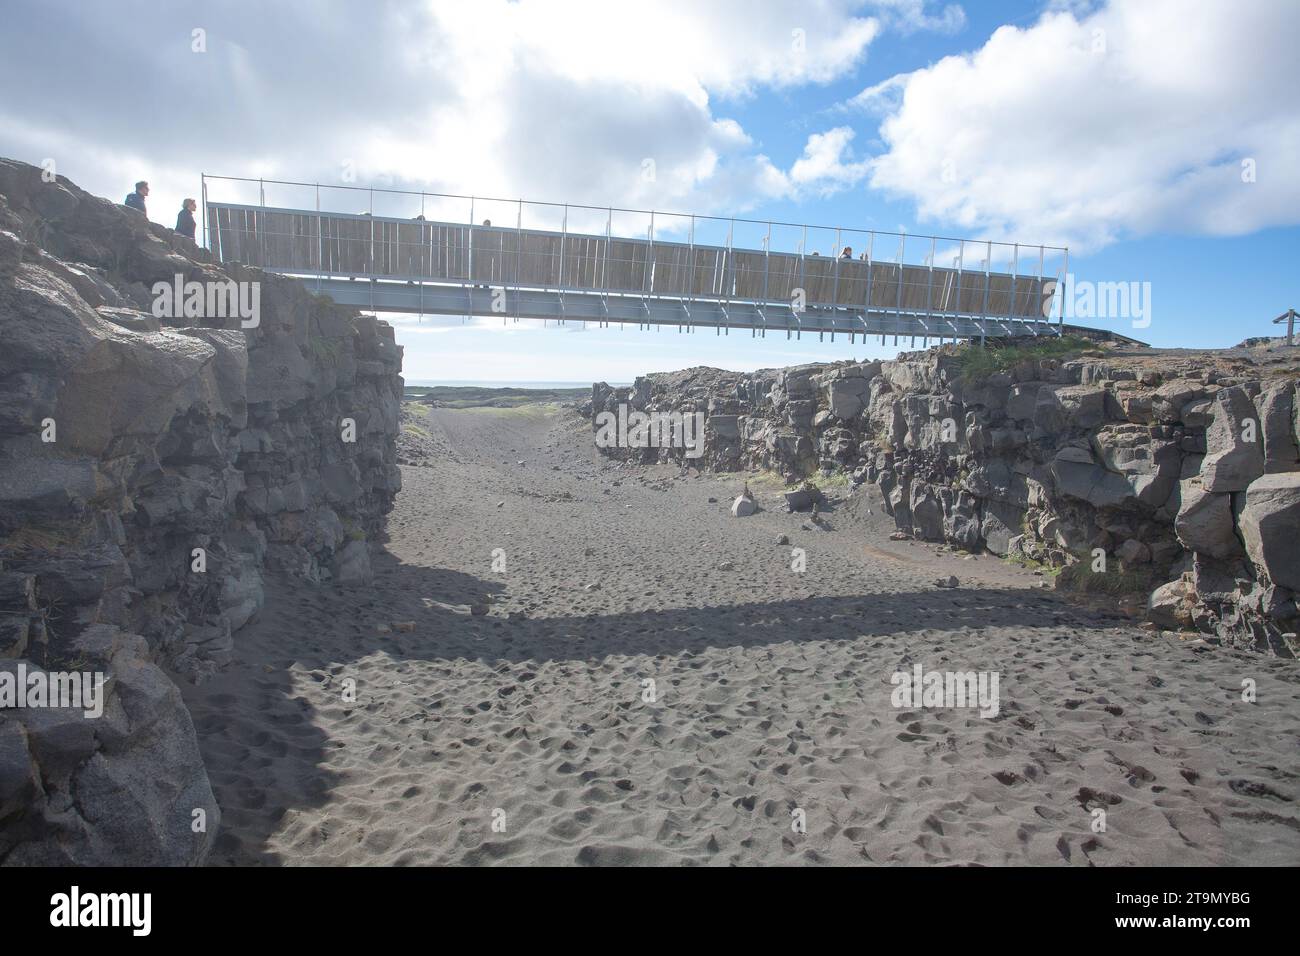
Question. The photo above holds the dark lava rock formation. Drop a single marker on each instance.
(1178, 469)
(153, 465)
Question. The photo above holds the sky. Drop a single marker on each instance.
(1157, 139)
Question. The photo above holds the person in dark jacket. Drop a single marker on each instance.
(185, 224)
(136, 199)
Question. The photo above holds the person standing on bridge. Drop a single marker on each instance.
(185, 225)
(847, 253)
(136, 199)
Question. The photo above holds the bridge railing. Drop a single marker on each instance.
(890, 272)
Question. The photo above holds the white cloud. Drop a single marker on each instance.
(827, 161)
(583, 101)
(1130, 120)
(881, 99)
(910, 16)
(569, 100)
(725, 46)
(577, 100)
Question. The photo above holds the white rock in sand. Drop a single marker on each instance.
(743, 507)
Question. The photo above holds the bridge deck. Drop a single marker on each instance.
(407, 265)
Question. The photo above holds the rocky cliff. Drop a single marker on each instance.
(1175, 477)
(158, 455)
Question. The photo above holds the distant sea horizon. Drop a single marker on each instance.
(500, 383)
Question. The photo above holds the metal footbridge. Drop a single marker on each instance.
(420, 253)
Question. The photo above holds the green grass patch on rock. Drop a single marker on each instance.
(979, 362)
(1117, 581)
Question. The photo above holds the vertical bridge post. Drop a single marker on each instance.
(604, 269)
(898, 305)
(835, 284)
(559, 278)
(519, 255)
(1011, 291)
(1038, 286)
(648, 282)
(320, 242)
(1065, 288)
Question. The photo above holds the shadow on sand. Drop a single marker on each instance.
(275, 761)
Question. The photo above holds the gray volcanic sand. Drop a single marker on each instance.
(772, 692)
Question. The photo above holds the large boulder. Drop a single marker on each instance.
(1063, 407)
(910, 376)
(897, 505)
(1269, 521)
(846, 393)
(743, 507)
(803, 497)
(352, 564)
(1168, 401)
(999, 523)
(1149, 466)
(1135, 402)
(1204, 521)
(961, 521)
(1170, 605)
(927, 511)
(1077, 475)
(1139, 471)
(1234, 443)
(1277, 413)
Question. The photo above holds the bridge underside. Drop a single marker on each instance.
(685, 315)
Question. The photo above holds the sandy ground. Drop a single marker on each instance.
(523, 735)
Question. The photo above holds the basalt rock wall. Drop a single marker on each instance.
(1181, 473)
(153, 467)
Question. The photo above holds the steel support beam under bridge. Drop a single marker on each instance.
(642, 311)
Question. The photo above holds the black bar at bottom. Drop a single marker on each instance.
(331, 906)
